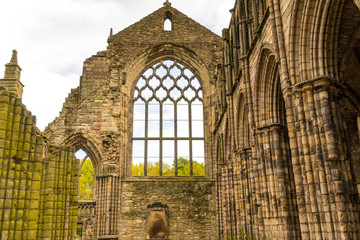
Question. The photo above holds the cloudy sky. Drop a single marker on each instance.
(53, 39)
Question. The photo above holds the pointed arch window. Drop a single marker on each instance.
(86, 181)
(168, 125)
(167, 24)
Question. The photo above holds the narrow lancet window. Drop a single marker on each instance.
(167, 25)
(86, 176)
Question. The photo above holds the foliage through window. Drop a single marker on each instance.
(168, 126)
(86, 180)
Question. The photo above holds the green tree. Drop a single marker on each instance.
(153, 169)
(183, 165)
(138, 169)
(198, 169)
(168, 170)
(86, 181)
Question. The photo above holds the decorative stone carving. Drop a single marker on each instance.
(157, 224)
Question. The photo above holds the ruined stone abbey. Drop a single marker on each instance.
(251, 135)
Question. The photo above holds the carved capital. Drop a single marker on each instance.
(307, 88)
(322, 84)
(288, 92)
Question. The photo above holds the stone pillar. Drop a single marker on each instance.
(320, 164)
(20, 169)
(59, 194)
(107, 206)
(273, 185)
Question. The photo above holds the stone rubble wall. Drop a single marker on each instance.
(191, 205)
(97, 118)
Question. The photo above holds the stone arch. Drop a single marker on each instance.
(227, 142)
(242, 123)
(190, 60)
(350, 103)
(168, 51)
(272, 140)
(313, 43)
(268, 95)
(80, 142)
(346, 59)
(349, 69)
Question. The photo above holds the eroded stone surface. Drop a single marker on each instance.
(281, 121)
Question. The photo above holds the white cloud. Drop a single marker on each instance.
(53, 39)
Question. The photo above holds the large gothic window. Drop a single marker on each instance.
(168, 126)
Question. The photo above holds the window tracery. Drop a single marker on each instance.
(168, 125)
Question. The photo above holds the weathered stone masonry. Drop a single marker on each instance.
(97, 117)
(281, 123)
(285, 78)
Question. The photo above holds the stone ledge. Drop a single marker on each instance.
(158, 238)
(109, 237)
(86, 201)
(168, 179)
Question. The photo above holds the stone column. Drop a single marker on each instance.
(320, 164)
(107, 205)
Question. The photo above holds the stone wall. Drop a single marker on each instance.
(21, 164)
(191, 207)
(38, 188)
(289, 170)
(97, 118)
(59, 194)
(280, 110)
